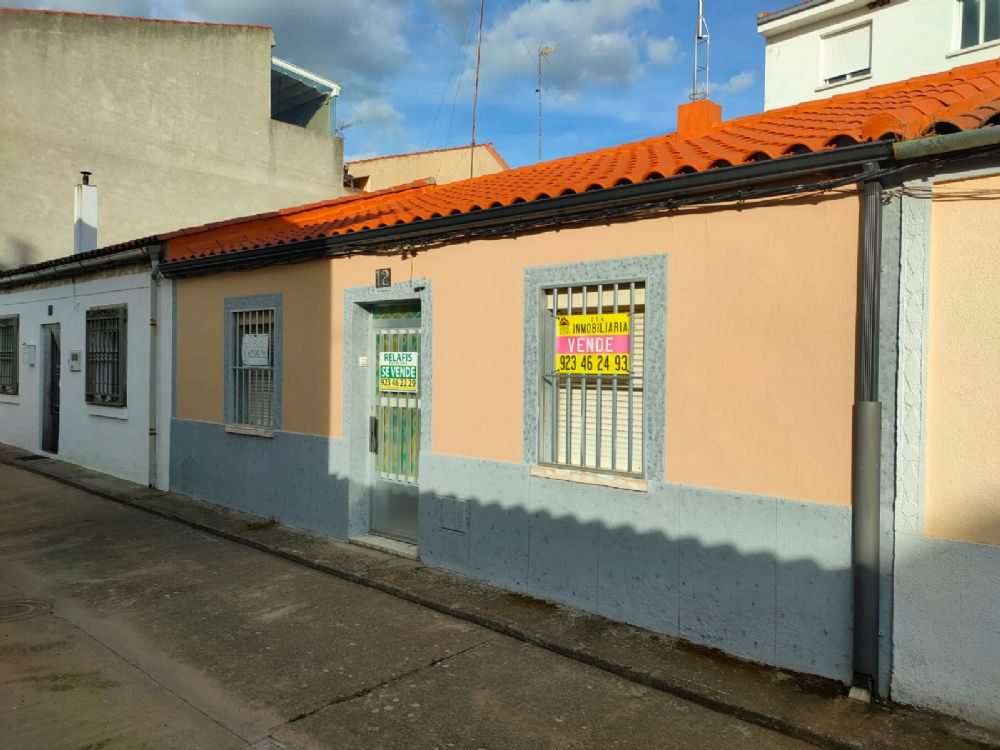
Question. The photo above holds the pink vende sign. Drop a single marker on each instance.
(592, 344)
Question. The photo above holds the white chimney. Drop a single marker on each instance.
(85, 215)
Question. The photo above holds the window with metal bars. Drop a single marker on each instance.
(592, 406)
(8, 354)
(253, 369)
(107, 355)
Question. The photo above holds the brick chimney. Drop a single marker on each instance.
(697, 118)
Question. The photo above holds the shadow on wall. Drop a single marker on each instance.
(765, 579)
(17, 253)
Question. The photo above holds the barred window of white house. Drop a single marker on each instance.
(253, 368)
(8, 354)
(107, 355)
(979, 22)
(592, 377)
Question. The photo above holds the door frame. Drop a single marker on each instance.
(382, 489)
(358, 392)
(46, 387)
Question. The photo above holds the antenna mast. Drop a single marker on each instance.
(702, 56)
(543, 53)
(475, 93)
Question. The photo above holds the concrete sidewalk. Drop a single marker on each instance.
(804, 708)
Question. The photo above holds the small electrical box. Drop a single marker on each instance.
(28, 354)
(75, 361)
(363, 360)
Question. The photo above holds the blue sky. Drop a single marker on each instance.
(619, 70)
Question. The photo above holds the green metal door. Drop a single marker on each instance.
(395, 420)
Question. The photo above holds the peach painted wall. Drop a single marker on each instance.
(962, 475)
(760, 340)
(306, 368)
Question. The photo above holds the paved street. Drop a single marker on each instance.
(161, 636)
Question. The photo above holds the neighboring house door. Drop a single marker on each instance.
(394, 424)
(50, 388)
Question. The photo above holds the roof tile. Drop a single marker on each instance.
(966, 97)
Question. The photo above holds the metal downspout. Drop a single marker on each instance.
(865, 488)
(154, 308)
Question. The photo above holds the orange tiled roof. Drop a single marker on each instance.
(963, 98)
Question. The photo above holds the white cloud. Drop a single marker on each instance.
(662, 51)
(597, 43)
(380, 123)
(735, 84)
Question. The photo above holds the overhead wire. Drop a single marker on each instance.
(451, 75)
(531, 56)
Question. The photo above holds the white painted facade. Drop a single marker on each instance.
(810, 48)
(112, 440)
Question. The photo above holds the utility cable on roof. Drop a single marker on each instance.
(551, 86)
(451, 75)
(466, 45)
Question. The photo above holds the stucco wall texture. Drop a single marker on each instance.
(963, 369)
(173, 119)
(444, 165)
(760, 341)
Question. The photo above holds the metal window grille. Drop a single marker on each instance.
(253, 368)
(8, 354)
(593, 421)
(107, 358)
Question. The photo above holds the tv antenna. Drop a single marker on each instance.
(702, 56)
(343, 125)
(544, 51)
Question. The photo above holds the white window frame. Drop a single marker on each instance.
(10, 331)
(981, 27)
(826, 81)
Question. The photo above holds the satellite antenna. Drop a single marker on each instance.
(702, 56)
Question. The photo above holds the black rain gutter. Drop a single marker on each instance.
(565, 209)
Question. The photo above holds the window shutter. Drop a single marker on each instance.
(847, 52)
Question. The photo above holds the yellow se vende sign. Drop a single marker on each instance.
(597, 344)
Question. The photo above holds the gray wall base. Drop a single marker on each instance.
(298, 479)
(762, 578)
(947, 627)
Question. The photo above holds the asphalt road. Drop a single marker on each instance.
(119, 629)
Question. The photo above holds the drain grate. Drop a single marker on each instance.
(32, 457)
(23, 609)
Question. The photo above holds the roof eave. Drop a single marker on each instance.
(568, 208)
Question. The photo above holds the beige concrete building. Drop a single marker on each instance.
(180, 123)
(441, 165)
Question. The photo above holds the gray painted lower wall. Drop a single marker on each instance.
(947, 620)
(762, 578)
(298, 479)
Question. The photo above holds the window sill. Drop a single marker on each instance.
(107, 412)
(264, 432)
(10, 398)
(582, 476)
(838, 84)
(970, 50)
